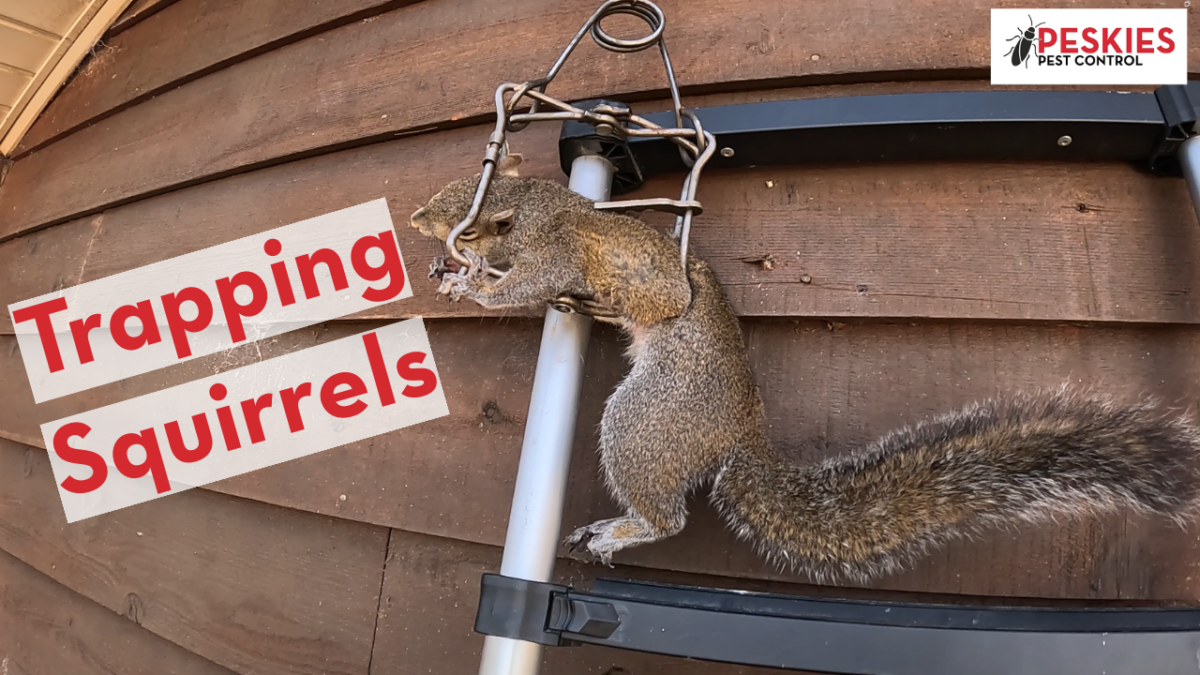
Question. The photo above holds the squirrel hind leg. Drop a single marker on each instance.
(603, 538)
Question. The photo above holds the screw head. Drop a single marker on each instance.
(1064, 141)
(727, 152)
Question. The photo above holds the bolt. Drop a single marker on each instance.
(604, 129)
(1064, 141)
(727, 152)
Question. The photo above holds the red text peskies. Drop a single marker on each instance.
(1089, 46)
(243, 419)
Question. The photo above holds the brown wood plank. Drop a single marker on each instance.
(44, 262)
(453, 476)
(138, 11)
(181, 43)
(252, 587)
(46, 628)
(424, 65)
(996, 241)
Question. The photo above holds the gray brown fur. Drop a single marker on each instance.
(689, 414)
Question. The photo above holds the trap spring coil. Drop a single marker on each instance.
(696, 146)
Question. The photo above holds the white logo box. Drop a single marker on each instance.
(1089, 46)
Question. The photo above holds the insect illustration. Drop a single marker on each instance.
(1020, 51)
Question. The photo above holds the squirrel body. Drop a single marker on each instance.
(689, 412)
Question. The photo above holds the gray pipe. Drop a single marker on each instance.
(535, 521)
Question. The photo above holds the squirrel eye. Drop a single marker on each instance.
(469, 234)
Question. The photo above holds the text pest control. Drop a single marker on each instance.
(1089, 46)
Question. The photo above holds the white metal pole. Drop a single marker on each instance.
(535, 521)
(1189, 159)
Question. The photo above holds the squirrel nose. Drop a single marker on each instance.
(416, 218)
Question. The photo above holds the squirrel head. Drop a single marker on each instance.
(514, 209)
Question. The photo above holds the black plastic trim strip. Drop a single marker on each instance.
(942, 126)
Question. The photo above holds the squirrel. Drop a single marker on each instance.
(689, 412)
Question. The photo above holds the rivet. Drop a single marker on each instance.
(727, 152)
(1064, 141)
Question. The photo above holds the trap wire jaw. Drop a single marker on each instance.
(606, 149)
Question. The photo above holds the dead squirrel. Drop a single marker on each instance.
(689, 412)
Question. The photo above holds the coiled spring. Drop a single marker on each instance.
(695, 145)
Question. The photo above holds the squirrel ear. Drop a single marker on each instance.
(503, 220)
(508, 166)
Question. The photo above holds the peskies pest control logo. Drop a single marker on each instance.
(1089, 46)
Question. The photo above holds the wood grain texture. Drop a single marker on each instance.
(825, 389)
(983, 241)
(181, 43)
(138, 11)
(439, 62)
(44, 262)
(46, 629)
(252, 587)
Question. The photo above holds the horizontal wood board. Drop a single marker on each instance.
(47, 629)
(408, 70)
(1024, 242)
(252, 587)
(827, 387)
(179, 43)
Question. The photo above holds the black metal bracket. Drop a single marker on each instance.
(1181, 108)
(539, 612)
(1145, 129)
(844, 636)
(581, 138)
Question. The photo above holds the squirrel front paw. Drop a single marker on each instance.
(439, 269)
(454, 286)
(479, 268)
(595, 542)
(465, 280)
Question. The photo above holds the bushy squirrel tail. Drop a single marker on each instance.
(1027, 458)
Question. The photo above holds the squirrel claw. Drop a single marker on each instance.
(578, 545)
(453, 286)
(437, 268)
(578, 541)
(441, 266)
